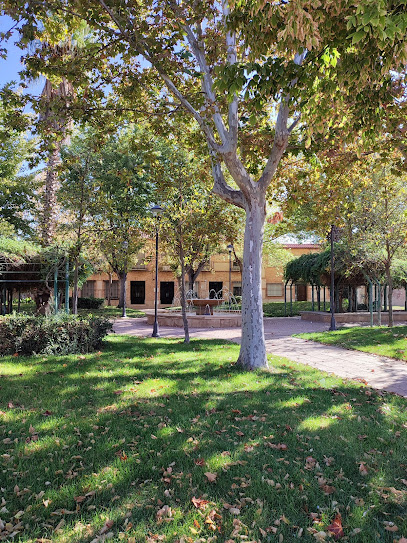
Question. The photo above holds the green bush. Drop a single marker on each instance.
(55, 334)
(89, 303)
(276, 309)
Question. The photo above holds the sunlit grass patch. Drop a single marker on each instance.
(384, 341)
(153, 440)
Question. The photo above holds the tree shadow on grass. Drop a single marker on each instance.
(137, 427)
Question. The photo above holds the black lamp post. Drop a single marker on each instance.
(230, 249)
(156, 212)
(333, 236)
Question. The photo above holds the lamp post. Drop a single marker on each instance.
(230, 249)
(332, 237)
(156, 212)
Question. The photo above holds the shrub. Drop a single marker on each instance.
(276, 309)
(89, 303)
(55, 334)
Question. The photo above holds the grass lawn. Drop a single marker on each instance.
(384, 341)
(152, 440)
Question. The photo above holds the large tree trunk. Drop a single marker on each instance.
(48, 219)
(253, 348)
(390, 295)
(75, 287)
(123, 289)
(60, 123)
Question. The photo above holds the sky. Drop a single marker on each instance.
(10, 67)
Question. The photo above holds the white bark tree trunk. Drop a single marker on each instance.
(253, 349)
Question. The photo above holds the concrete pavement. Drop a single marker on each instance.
(379, 372)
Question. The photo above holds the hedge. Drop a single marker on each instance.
(55, 334)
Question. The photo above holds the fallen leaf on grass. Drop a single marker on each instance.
(336, 527)
(320, 536)
(199, 503)
(327, 489)
(278, 446)
(164, 512)
(211, 476)
(363, 469)
(107, 525)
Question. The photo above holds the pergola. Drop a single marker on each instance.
(31, 273)
(315, 269)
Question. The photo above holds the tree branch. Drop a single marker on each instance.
(144, 51)
(231, 59)
(282, 133)
(222, 189)
(207, 82)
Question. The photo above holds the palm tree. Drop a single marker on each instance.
(60, 123)
(54, 106)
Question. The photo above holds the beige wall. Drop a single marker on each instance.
(217, 271)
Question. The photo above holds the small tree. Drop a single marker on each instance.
(17, 185)
(75, 197)
(380, 225)
(195, 224)
(123, 192)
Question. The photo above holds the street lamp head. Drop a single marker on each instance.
(230, 248)
(156, 211)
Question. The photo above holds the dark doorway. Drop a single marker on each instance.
(137, 292)
(166, 292)
(214, 288)
(301, 293)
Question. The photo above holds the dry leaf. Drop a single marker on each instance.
(327, 489)
(199, 503)
(211, 476)
(336, 527)
(107, 525)
(164, 512)
(363, 469)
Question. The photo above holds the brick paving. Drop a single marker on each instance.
(378, 371)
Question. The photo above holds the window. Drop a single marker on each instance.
(274, 289)
(114, 292)
(235, 266)
(88, 289)
(237, 289)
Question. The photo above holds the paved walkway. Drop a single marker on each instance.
(378, 371)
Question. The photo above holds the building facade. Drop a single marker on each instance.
(214, 278)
